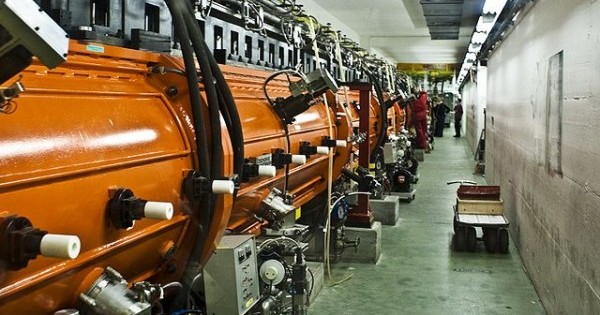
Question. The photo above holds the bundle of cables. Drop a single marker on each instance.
(220, 104)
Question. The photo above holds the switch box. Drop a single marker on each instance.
(231, 276)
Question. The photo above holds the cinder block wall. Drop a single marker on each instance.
(554, 213)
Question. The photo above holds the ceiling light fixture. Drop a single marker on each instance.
(485, 23)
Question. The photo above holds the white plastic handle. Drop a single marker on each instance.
(223, 187)
(60, 246)
(158, 210)
(322, 150)
(267, 170)
(341, 143)
(298, 159)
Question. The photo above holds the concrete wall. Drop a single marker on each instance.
(469, 101)
(474, 95)
(554, 212)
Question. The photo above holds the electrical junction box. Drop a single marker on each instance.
(231, 276)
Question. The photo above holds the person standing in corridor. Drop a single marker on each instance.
(439, 111)
(458, 113)
(420, 119)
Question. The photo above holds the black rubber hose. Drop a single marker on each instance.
(235, 132)
(195, 99)
(206, 206)
(383, 107)
(209, 87)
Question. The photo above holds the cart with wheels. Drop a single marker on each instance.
(479, 207)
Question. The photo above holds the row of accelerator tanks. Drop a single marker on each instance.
(94, 155)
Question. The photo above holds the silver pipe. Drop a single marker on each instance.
(267, 304)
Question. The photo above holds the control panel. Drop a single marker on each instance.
(230, 292)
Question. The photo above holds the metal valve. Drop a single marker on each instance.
(348, 243)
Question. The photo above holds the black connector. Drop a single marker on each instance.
(307, 149)
(124, 208)
(20, 242)
(328, 142)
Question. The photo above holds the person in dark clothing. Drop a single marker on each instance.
(440, 111)
(458, 113)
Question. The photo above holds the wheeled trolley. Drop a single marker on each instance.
(479, 206)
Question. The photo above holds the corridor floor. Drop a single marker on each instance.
(418, 273)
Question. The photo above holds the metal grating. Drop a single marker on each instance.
(443, 18)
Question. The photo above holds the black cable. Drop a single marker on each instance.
(383, 108)
(203, 159)
(206, 206)
(209, 87)
(287, 166)
(229, 107)
(312, 282)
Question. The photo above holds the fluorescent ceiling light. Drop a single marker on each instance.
(493, 6)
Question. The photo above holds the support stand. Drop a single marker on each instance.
(362, 216)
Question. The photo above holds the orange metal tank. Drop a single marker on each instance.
(395, 116)
(263, 132)
(98, 122)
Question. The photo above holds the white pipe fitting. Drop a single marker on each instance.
(223, 187)
(158, 210)
(60, 246)
(322, 150)
(267, 170)
(298, 159)
(341, 143)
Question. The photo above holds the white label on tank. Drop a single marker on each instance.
(264, 159)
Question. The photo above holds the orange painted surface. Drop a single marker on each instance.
(395, 117)
(263, 132)
(98, 121)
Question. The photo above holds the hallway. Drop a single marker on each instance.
(417, 272)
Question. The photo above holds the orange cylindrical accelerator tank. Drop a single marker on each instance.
(96, 123)
(263, 132)
(395, 116)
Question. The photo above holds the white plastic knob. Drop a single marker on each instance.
(298, 159)
(267, 170)
(322, 150)
(158, 210)
(60, 246)
(223, 187)
(341, 143)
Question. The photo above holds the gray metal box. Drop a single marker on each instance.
(231, 276)
(390, 153)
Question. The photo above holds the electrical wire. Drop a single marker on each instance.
(284, 125)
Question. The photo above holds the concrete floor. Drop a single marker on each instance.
(418, 273)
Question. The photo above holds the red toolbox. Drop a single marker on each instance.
(478, 192)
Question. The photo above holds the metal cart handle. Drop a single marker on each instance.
(462, 182)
